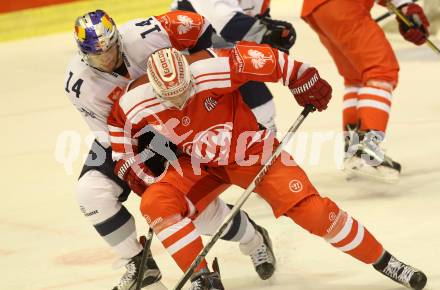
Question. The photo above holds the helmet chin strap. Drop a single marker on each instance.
(120, 60)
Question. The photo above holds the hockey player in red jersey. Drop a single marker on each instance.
(109, 57)
(199, 109)
(366, 61)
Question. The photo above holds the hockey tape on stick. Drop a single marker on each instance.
(244, 196)
(147, 246)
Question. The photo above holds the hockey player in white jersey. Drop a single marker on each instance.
(108, 59)
(249, 20)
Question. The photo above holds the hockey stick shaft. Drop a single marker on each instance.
(245, 195)
(144, 259)
(408, 23)
(387, 14)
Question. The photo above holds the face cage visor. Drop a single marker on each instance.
(107, 60)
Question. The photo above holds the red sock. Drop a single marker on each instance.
(349, 113)
(374, 107)
(322, 217)
(183, 243)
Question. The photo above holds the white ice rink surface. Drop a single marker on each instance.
(46, 243)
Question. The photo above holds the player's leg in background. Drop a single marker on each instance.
(289, 192)
(352, 85)
(352, 77)
(99, 194)
(350, 32)
(260, 100)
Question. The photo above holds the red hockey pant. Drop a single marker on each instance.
(364, 59)
(285, 187)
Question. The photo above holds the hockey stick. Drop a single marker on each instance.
(408, 23)
(388, 14)
(244, 196)
(147, 246)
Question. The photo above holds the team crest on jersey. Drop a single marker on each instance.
(115, 94)
(186, 24)
(183, 24)
(210, 103)
(258, 60)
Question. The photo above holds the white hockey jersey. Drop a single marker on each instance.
(221, 12)
(93, 92)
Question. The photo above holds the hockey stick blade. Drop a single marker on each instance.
(244, 196)
(147, 246)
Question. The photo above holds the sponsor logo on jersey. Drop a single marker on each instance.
(84, 211)
(332, 216)
(335, 219)
(212, 144)
(295, 185)
(210, 103)
(115, 74)
(87, 113)
(154, 223)
(186, 121)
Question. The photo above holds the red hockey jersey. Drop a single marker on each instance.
(215, 127)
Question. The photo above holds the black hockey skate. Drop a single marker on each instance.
(206, 280)
(262, 256)
(365, 157)
(400, 272)
(152, 274)
(350, 137)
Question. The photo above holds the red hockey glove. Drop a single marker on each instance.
(135, 176)
(309, 88)
(417, 34)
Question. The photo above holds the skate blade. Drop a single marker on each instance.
(356, 167)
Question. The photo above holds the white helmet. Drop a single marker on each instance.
(170, 77)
